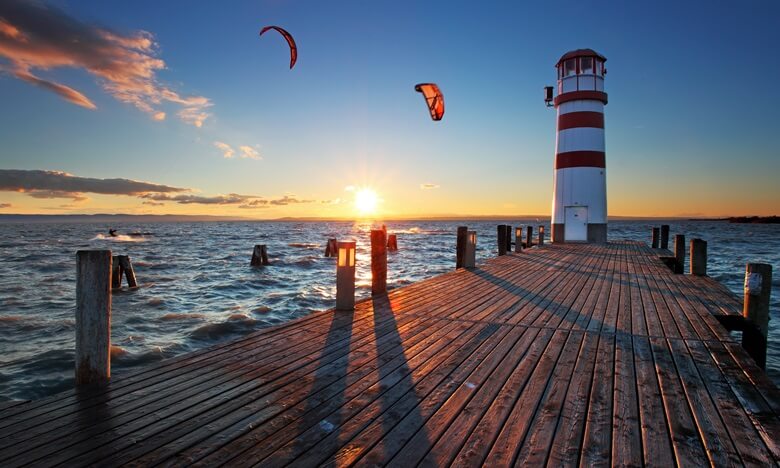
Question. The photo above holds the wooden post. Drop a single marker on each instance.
(470, 256)
(93, 316)
(529, 234)
(116, 273)
(345, 276)
(378, 261)
(664, 236)
(518, 239)
(541, 236)
(126, 268)
(259, 256)
(392, 242)
(508, 237)
(758, 286)
(460, 246)
(656, 234)
(679, 253)
(698, 257)
(501, 239)
(331, 250)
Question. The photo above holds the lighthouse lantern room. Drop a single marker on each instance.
(580, 184)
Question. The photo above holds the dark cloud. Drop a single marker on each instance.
(152, 203)
(287, 200)
(34, 36)
(186, 199)
(55, 184)
(5, 205)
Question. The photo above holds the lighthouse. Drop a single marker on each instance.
(579, 208)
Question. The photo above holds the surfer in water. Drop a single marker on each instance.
(112, 232)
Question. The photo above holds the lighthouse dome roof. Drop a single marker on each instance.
(580, 53)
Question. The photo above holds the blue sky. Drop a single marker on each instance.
(690, 124)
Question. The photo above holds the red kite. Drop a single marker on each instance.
(433, 97)
(290, 41)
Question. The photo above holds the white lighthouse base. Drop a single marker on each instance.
(597, 233)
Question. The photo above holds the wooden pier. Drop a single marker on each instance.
(560, 355)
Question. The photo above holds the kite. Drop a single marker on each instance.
(433, 97)
(290, 41)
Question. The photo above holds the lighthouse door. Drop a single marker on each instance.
(576, 223)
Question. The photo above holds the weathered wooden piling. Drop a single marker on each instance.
(126, 269)
(698, 256)
(508, 237)
(116, 273)
(679, 253)
(518, 239)
(259, 255)
(379, 243)
(470, 255)
(501, 231)
(93, 316)
(529, 234)
(345, 276)
(460, 246)
(655, 239)
(392, 242)
(540, 242)
(331, 248)
(758, 287)
(664, 236)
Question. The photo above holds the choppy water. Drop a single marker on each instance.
(197, 287)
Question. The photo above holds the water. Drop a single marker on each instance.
(197, 287)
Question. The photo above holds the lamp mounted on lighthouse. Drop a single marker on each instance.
(580, 182)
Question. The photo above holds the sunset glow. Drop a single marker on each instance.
(366, 201)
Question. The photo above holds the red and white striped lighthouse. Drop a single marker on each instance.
(580, 181)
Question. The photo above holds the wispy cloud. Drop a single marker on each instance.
(152, 203)
(249, 152)
(57, 184)
(36, 37)
(5, 205)
(188, 199)
(227, 150)
(429, 186)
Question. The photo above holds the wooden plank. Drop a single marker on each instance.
(597, 442)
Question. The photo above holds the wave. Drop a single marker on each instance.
(181, 316)
(304, 245)
(119, 238)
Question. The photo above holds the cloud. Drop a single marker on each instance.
(249, 152)
(429, 186)
(56, 184)
(34, 36)
(349, 188)
(254, 204)
(5, 205)
(227, 150)
(152, 203)
(187, 199)
(288, 200)
(334, 201)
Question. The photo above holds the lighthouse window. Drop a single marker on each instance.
(586, 65)
(570, 67)
(599, 67)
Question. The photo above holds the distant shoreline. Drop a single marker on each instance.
(131, 218)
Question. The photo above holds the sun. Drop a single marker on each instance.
(365, 201)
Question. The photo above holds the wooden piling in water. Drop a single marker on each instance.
(460, 246)
(501, 232)
(345, 276)
(379, 244)
(698, 254)
(93, 316)
(540, 241)
(331, 248)
(664, 236)
(392, 242)
(758, 287)
(259, 256)
(529, 234)
(508, 237)
(679, 253)
(518, 239)
(116, 273)
(655, 239)
(126, 269)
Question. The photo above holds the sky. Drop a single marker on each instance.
(180, 107)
